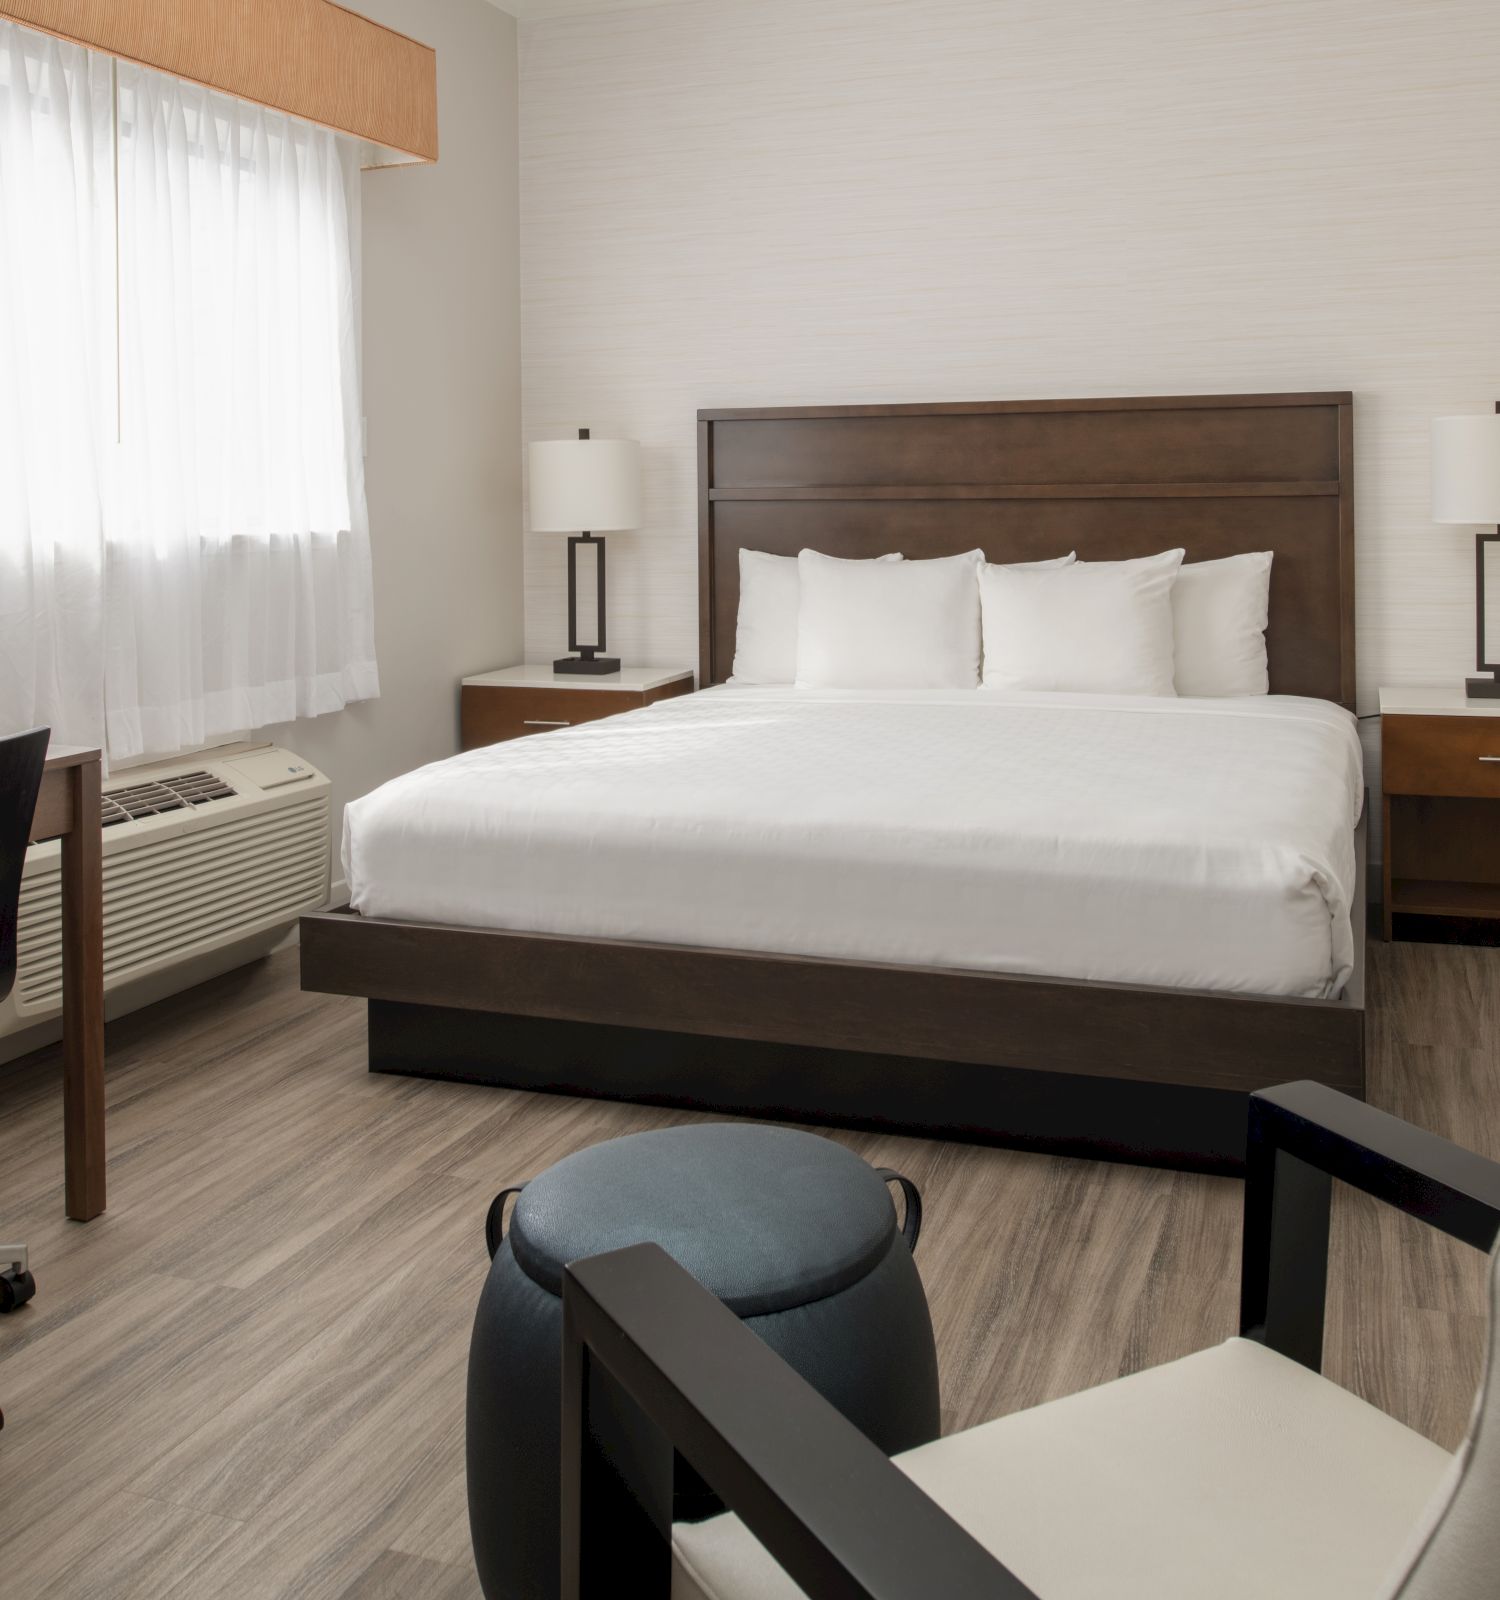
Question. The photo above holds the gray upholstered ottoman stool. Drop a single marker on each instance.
(794, 1233)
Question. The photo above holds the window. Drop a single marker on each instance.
(183, 546)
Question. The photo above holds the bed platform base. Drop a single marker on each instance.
(1104, 1118)
(1114, 1071)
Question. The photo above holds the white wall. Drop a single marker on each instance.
(442, 401)
(773, 201)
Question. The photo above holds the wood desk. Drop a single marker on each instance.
(68, 808)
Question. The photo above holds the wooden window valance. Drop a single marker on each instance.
(311, 58)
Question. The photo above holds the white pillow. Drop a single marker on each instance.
(1097, 627)
(1041, 566)
(765, 633)
(1219, 612)
(896, 625)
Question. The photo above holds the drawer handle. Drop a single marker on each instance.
(536, 722)
(1489, 758)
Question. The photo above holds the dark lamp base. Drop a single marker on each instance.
(1483, 688)
(593, 666)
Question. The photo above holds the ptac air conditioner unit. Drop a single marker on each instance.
(208, 862)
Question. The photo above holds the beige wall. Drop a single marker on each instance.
(442, 403)
(770, 201)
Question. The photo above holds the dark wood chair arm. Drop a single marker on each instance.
(840, 1518)
(1302, 1136)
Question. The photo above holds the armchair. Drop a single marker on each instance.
(1235, 1472)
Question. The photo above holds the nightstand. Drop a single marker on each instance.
(1440, 775)
(533, 699)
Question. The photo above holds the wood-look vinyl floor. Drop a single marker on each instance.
(247, 1378)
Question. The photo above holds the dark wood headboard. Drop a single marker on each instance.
(1022, 480)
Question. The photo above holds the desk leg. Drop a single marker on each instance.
(83, 998)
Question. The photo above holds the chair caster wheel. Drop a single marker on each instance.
(16, 1288)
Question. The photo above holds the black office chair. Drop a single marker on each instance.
(22, 757)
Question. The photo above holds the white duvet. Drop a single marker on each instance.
(1195, 843)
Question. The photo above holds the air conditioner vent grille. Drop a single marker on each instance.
(180, 893)
(176, 793)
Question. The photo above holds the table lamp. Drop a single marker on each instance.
(1466, 489)
(582, 487)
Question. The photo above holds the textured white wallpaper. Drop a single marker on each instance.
(781, 201)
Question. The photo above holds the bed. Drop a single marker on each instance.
(1124, 915)
(802, 822)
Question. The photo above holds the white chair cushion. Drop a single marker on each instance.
(1233, 1474)
(1455, 1553)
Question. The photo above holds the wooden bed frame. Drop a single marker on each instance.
(1120, 1070)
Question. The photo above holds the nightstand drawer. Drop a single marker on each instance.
(489, 715)
(1457, 756)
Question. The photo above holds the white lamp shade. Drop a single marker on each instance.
(585, 485)
(1466, 468)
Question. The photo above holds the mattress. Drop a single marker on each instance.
(1204, 844)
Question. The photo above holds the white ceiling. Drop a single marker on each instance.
(529, 10)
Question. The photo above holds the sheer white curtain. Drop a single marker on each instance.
(237, 581)
(230, 547)
(56, 369)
